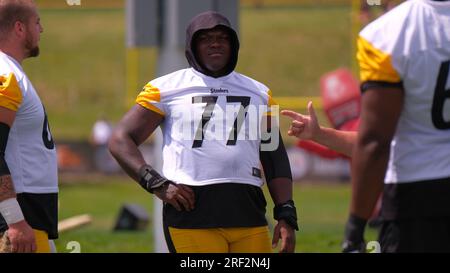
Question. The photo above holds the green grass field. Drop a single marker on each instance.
(322, 210)
(81, 76)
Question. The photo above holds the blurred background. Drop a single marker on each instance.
(81, 76)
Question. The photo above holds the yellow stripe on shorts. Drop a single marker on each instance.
(42, 244)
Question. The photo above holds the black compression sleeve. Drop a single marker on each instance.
(276, 163)
(4, 133)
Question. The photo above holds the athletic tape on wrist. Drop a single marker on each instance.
(11, 211)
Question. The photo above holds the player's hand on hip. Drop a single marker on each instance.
(286, 233)
(178, 195)
(303, 126)
(21, 237)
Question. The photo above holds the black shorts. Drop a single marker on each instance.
(40, 212)
(225, 205)
(415, 235)
(416, 217)
(221, 206)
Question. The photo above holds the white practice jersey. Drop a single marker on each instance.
(205, 140)
(410, 46)
(30, 151)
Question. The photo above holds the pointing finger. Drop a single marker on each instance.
(291, 114)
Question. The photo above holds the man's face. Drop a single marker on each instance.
(33, 33)
(213, 48)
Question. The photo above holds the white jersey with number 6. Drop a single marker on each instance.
(410, 47)
(30, 151)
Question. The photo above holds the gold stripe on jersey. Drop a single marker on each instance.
(148, 96)
(270, 102)
(10, 94)
(374, 64)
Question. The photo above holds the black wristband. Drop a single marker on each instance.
(354, 235)
(354, 230)
(4, 133)
(150, 179)
(286, 212)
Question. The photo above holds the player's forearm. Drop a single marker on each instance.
(6, 188)
(340, 141)
(368, 169)
(134, 128)
(9, 207)
(278, 173)
(280, 190)
(6, 184)
(127, 154)
(381, 109)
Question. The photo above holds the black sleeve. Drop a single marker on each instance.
(276, 163)
(4, 132)
(379, 84)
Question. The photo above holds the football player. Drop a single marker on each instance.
(28, 170)
(404, 134)
(211, 186)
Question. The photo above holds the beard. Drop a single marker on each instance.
(32, 50)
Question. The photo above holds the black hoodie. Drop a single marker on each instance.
(209, 20)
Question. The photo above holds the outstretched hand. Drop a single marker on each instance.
(303, 126)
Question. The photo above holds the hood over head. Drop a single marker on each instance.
(204, 21)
